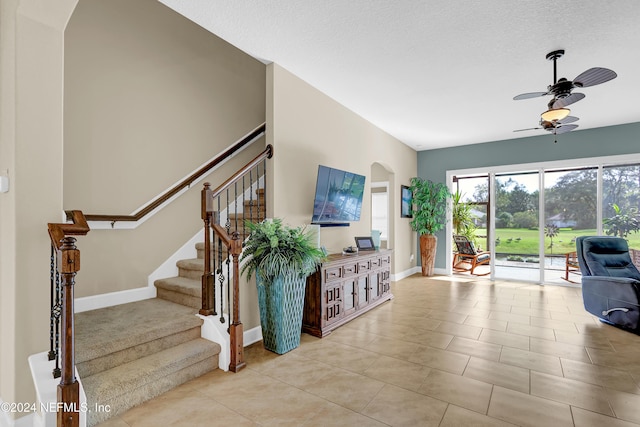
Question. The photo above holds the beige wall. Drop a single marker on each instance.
(196, 92)
(7, 200)
(149, 97)
(112, 136)
(31, 151)
(307, 128)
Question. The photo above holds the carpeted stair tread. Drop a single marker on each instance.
(106, 385)
(196, 264)
(182, 285)
(214, 253)
(130, 384)
(112, 329)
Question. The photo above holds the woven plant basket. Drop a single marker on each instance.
(281, 305)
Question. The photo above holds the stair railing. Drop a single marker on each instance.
(240, 198)
(185, 183)
(65, 263)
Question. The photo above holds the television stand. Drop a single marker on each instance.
(344, 287)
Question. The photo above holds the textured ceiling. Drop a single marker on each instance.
(441, 73)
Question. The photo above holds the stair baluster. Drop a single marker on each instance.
(67, 264)
(227, 243)
(208, 288)
(54, 315)
(218, 255)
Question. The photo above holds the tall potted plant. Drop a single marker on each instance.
(429, 209)
(281, 257)
(462, 218)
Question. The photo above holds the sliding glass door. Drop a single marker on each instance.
(474, 192)
(529, 216)
(570, 211)
(516, 222)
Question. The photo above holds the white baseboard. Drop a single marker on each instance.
(404, 274)
(253, 335)
(414, 270)
(113, 298)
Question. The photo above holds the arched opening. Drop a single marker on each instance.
(382, 205)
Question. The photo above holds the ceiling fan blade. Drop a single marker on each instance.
(563, 102)
(564, 129)
(521, 130)
(530, 95)
(594, 76)
(567, 120)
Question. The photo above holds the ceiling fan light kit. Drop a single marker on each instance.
(552, 120)
(555, 114)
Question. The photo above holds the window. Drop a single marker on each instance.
(620, 202)
(380, 212)
(536, 211)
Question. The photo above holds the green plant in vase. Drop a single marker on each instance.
(281, 257)
(429, 216)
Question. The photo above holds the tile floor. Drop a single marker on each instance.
(446, 351)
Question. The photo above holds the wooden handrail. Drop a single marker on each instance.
(154, 204)
(79, 227)
(266, 154)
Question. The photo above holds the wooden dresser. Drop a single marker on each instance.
(344, 287)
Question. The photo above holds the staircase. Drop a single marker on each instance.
(186, 288)
(130, 353)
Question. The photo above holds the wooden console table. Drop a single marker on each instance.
(344, 287)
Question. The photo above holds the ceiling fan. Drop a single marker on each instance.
(561, 89)
(556, 119)
(556, 127)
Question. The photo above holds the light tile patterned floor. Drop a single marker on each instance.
(446, 351)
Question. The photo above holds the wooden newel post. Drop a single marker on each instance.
(69, 388)
(208, 303)
(236, 330)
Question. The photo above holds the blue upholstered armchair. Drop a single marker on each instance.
(610, 281)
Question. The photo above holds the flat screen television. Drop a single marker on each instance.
(338, 198)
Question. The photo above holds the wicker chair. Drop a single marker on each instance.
(571, 265)
(467, 258)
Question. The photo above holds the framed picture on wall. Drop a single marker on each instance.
(405, 202)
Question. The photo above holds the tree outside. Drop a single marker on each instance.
(570, 209)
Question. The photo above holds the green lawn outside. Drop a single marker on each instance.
(525, 241)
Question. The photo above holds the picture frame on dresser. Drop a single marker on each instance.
(365, 243)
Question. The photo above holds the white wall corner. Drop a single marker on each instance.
(27, 421)
(5, 419)
(46, 394)
(215, 331)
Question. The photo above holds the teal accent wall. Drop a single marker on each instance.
(606, 141)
